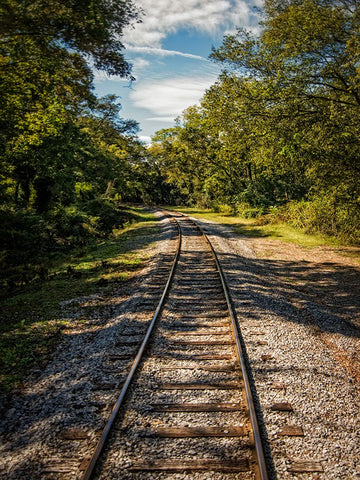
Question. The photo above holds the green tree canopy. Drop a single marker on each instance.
(47, 50)
(281, 124)
(92, 28)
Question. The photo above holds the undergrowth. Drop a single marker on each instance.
(266, 227)
(31, 318)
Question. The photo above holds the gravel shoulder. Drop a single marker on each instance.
(298, 310)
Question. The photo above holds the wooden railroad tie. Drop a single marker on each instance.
(74, 434)
(194, 324)
(202, 332)
(218, 303)
(282, 407)
(200, 386)
(115, 357)
(266, 357)
(104, 386)
(197, 407)
(201, 342)
(217, 314)
(212, 356)
(305, 466)
(204, 465)
(207, 368)
(191, 432)
(291, 431)
(60, 465)
(278, 386)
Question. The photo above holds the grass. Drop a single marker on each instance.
(286, 233)
(251, 228)
(31, 320)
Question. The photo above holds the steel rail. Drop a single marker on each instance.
(100, 445)
(263, 473)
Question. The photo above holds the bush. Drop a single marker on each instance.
(21, 231)
(28, 240)
(24, 241)
(253, 212)
(203, 200)
(240, 207)
(324, 215)
(71, 227)
(223, 208)
(108, 215)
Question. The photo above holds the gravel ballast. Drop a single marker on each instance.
(78, 387)
(302, 350)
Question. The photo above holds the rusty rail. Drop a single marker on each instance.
(262, 473)
(100, 445)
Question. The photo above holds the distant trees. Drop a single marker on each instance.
(280, 128)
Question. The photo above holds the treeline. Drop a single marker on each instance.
(67, 159)
(278, 133)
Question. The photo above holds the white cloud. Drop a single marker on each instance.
(159, 119)
(162, 52)
(169, 97)
(145, 139)
(139, 64)
(101, 76)
(164, 17)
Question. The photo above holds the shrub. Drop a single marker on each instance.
(253, 212)
(21, 231)
(108, 214)
(223, 208)
(24, 241)
(70, 226)
(240, 207)
(324, 215)
(203, 200)
(244, 209)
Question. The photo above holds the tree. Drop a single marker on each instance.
(110, 145)
(93, 29)
(40, 97)
(305, 62)
(46, 86)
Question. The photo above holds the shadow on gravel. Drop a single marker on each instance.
(68, 392)
(326, 296)
(76, 388)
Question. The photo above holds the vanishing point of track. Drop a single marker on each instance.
(195, 414)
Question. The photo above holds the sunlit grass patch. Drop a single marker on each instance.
(251, 227)
(31, 319)
(287, 233)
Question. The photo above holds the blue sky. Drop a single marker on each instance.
(169, 51)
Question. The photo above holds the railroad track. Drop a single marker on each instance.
(186, 404)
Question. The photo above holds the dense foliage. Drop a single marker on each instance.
(279, 131)
(66, 157)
